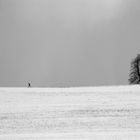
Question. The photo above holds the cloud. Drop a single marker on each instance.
(73, 11)
(63, 40)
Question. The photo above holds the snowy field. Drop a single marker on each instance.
(92, 113)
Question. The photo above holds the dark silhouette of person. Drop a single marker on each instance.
(29, 85)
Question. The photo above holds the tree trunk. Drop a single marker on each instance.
(138, 70)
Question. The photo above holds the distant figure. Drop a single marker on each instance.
(29, 85)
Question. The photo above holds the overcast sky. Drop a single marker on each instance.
(62, 43)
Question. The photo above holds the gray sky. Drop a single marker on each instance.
(68, 42)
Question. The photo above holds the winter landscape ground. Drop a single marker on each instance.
(87, 113)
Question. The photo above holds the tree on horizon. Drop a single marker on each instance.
(134, 76)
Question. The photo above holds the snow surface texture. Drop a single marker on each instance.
(87, 113)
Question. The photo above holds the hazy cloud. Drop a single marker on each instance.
(67, 42)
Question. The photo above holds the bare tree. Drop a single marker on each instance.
(134, 76)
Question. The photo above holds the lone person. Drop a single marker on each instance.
(29, 85)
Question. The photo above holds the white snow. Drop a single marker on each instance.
(99, 113)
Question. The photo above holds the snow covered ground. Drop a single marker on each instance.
(86, 113)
